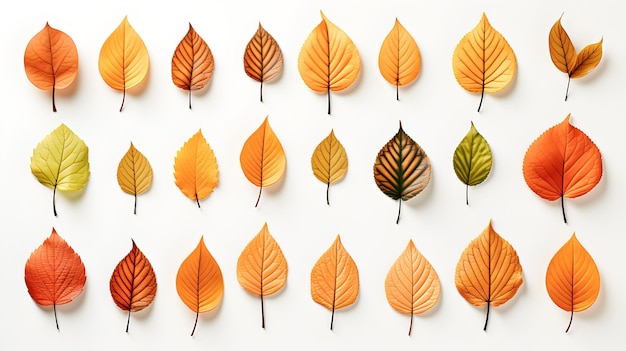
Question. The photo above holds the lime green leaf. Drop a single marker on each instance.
(472, 159)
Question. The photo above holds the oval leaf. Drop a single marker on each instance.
(195, 168)
(399, 59)
(472, 159)
(587, 59)
(329, 161)
(134, 173)
(262, 60)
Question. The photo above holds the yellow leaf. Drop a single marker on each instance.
(61, 161)
(262, 158)
(124, 60)
(328, 59)
(195, 168)
(262, 59)
(134, 173)
(399, 59)
(261, 267)
(329, 161)
(483, 61)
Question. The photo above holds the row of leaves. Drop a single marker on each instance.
(482, 62)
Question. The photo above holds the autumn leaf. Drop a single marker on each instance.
(262, 158)
(262, 60)
(51, 60)
(60, 160)
(335, 279)
(488, 271)
(329, 162)
(192, 63)
(412, 286)
(54, 273)
(195, 168)
(399, 59)
(402, 169)
(572, 279)
(124, 60)
(483, 61)
(133, 284)
(199, 281)
(562, 162)
(472, 160)
(329, 60)
(262, 268)
(134, 173)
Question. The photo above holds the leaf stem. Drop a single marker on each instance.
(261, 91)
(399, 208)
(411, 324)
(466, 194)
(54, 202)
(571, 317)
(487, 318)
(482, 94)
(135, 207)
(128, 321)
(563, 208)
(262, 313)
(54, 308)
(328, 94)
(123, 99)
(569, 78)
(332, 317)
(259, 198)
(197, 201)
(54, 107)
(195, 323)
(397, 92)
(190, 98)
(327, 191)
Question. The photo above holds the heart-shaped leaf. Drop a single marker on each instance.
(195, 168)
(399, 59)
(134, 173)
(262, 59)
(472, 160)
(329, 161)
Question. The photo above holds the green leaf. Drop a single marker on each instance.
(472, 159)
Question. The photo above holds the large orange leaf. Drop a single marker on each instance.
(399, 59)
(51, 60)
(192, 63)
(261, 267)
(483, 61)
(195, 168)
(412, 286)
(54, 273)
(488, 271)
(329, 60)
(329, 161)
(562, 162)
(262, 60)
(134, 173)
(133, 283)
(199, 281)
(335, 279)
(262, 158)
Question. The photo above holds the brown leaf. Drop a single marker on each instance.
(262, 60)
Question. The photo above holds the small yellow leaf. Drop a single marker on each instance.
(399, 59)
(329, 161)
(134, 173)
(262, 59)
(195, 168)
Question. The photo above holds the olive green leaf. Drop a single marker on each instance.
(472, 160)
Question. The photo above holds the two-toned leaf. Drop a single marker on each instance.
(134, 173)
(472, 160)
(195, 168)
(262, 59)
(329, 162)
(399, 60)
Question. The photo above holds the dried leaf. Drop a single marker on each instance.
(192, 63)
(335, 279)
(124, 60)
(329, 60)
(402, 168)
(61, 161)
(199, 281)
(262, 158)
(54, 273)
(562, 162)
(262, 60)
(399, 59)
(488, 271)
(195, 168)
(572, 279)
(262, 268)
(329, 162)
(483, 61)
(134, 173)
(51, 60)
(412, 286)
(472, 160)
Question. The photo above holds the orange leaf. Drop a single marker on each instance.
(399, 59)
(134, 173)
(488, 271)
(195, 168)
(562, 162)
(133, 283)
(51, 60)
(54, 273)
(335, 279)
(192, 63)
(262, 60)
(199, 281)
(261, 267)
(572, 279)
(412, 286)
(262, 158)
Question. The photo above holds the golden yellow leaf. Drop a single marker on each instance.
(329, 161)
(134, 173)
(124, 60)
(262, 60)
(195, 168)
(399, 59)
(483, 61)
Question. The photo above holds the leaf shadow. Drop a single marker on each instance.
(68, 308)
(595, 73)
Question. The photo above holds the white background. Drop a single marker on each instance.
(98, 222)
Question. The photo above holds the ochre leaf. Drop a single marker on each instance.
(412, 286)
(572, 279)
(335, 279)
(134, 173)
(199, 281)
(133, 283)
(472, 159)
(54, 273)
(192, 63)
(195, 168)
(261, 267)
(587, 59)
(562, 162)
(262, 60)
(483, 61)
(51, 60)
(402, 168)
(61, 161)
(489, 271)
(329, 161)
(399, 59)
(124, 60)
(329, 60)
(262, 158)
